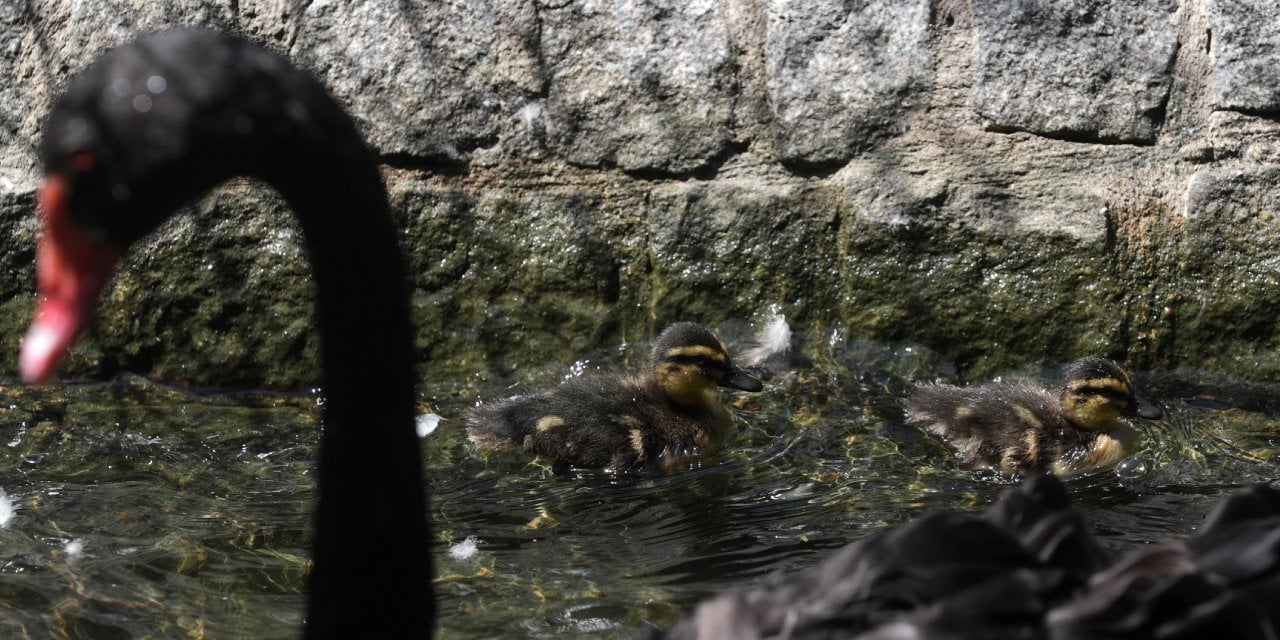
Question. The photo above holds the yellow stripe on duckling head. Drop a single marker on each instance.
(688, 360)
(685, 383)
(1101, 385)
(1096, 392)
(1096, 404)
(695, 351)
(1103, 377)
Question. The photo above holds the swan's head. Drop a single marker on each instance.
(688, 360)
(147, 128)
(1096, 392)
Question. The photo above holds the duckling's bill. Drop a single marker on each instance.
(1142, 407)
(738, 378)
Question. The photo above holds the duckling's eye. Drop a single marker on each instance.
(1111, 395)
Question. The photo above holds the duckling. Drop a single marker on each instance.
(621, 422)
(1019, 427)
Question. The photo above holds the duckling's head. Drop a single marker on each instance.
(1096, 392)
(688, 360)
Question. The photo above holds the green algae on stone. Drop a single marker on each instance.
(504, 279)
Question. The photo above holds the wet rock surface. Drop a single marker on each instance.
(1004, 186)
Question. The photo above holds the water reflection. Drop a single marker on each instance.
(141, 509)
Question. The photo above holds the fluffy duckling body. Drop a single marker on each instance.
(1020, 427)
(620, 422)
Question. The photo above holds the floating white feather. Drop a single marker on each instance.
(6, 509)
(774, 338)
(427, 423)
(466, 549)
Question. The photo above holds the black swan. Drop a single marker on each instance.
(155, 123)
(1029, 569)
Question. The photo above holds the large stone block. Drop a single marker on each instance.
(418, 77)
(1245, 44)
(1098, 70)
(641, 86)
(840, 75)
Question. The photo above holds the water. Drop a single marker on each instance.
(143, 510)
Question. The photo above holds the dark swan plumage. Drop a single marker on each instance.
(1028, 568)
(156, 123)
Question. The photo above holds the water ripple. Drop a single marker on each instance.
(143, 510)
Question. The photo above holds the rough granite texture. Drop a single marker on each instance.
(1006, 183)
(1092, 70)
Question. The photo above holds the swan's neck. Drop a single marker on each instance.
(372, 574)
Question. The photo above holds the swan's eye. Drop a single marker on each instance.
(83, 162)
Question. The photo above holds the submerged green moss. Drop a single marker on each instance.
(506, 278)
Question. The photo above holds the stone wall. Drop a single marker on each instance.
(1006, 182)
